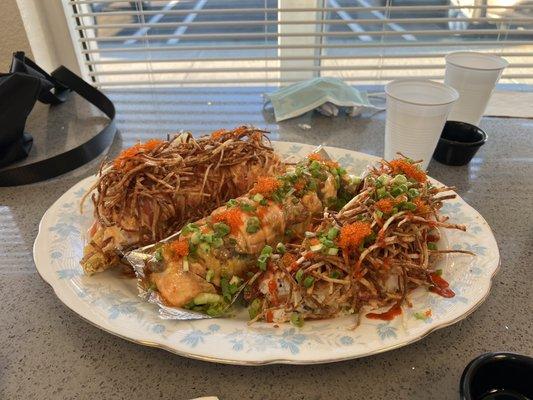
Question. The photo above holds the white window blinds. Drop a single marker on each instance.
(271, 42)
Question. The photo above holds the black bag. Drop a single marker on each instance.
(19, 90)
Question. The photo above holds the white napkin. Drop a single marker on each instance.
(510, 104)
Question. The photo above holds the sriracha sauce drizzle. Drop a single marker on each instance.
(441, 287)
(387, 315)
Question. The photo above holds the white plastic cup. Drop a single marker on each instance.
(474, 76)
(416, 113)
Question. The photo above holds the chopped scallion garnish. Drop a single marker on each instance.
(308, 281)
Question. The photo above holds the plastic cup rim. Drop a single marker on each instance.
(494, 57)
(452, 91)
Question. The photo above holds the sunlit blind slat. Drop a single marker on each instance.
(273, 42)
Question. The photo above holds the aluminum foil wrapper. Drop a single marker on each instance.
(138, 260)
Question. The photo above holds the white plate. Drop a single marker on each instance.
(110, 301)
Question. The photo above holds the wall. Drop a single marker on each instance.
(12, 34)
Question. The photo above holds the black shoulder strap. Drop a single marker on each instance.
(57, 85)
(52, 90)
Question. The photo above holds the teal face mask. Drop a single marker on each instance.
(301, 97)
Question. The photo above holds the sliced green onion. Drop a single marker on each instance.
(232, 203)
(254, 308)
(421, 316)
(196, 238)
(267, 250)
(355, 180)
(314, 165)
(297, 320)
(408, 206)
(221, 229)
(326, 242)
(209, 275)
(280, 248)
(224, 286)
(341, 171)
(309, 234)
(412, 193)
(439, 272)
(263, 202)
(394, 210)
(312, 185)
(189, 228)
(207, 237)
(332, 233)
(257, 197)
(299, 275)
(252, 226)
(432, 246)
(399, 180)
(217, 309)
(207, 298)
(379, 214)
(396, 191)
(383, 179)
(335, 274)
(289, 233)
(235, 280)
(403, 188)
(204, 247)
(217, 242)
(332, 251)
(246, 207)
(262, 264)
(277, 197)
(381, 193)
(158, 255)
(308, 281)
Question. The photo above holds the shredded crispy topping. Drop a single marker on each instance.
(411, 170)
(152, 189)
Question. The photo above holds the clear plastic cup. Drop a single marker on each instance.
(474, 76)
(416, 112)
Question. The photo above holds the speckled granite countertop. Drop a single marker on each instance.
(48, 352)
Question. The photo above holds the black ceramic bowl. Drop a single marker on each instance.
(498, 376)
(458, 143)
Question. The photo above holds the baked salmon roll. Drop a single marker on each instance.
(373, 253)
(205, 265)
(152, 189)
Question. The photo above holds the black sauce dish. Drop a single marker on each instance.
(498, 376)
(458, 143)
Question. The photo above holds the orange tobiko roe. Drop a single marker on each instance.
(421, 206)
(299, 185)
(265, 185)
(289, 261)
(126, 154)
(315, 157)
(232, 217)
(218, 134)
(318, 157)
(411, 170)
(352, 235)
(385, 205)
(180, 247)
